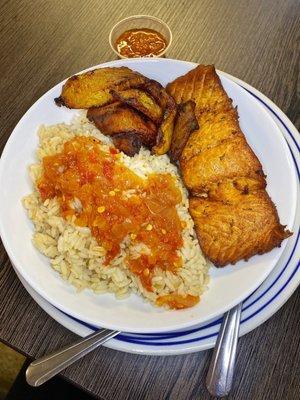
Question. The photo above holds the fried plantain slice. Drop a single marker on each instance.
(119, 118)
(141, 101)
(157, 92)
(129, 143)
(92, 88)
(165, 131)
(167, 103)
(185, 123)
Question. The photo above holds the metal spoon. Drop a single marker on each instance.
(220, 373)
(41, 370)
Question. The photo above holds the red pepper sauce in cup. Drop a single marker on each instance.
(141, 43)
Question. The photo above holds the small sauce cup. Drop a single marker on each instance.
(140, 22)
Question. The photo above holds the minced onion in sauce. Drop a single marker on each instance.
(100, 182)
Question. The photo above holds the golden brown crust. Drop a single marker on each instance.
(246, 226)
(228, 189)
(92, 89)
(234, 216)
(203, 86)
(129, 143)
(156, 91)
(141, 101)
(104, 86)
(231, 159)
(168, 105)
(185, 124)
(165, 131)
(215, 127)
(118, 118)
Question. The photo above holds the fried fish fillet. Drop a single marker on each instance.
(202, 85)
(247, 226)
(118, 118)
(92, 88)
(215, 128)
(233, 214)
(230, 159)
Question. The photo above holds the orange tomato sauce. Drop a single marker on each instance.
(116, 203)
(141, 43)
(177, 301)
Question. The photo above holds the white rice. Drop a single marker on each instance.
(75, 253)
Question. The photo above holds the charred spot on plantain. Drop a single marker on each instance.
(260, 172)
(159, 137)
(59, 101)
(246, 190)
(128, 142)
(74, 78)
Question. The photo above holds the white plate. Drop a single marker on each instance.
(260, 306)
(228, 286)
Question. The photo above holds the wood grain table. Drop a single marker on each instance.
(42, 42)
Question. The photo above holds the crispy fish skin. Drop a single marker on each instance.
(185, 123)
(233, 214)
(214, 129)
(129, 143)
(141, 101)
(117, 118)
(203, 86)
(231, 159)
(92, 88)
(246, 226)
(228, 189)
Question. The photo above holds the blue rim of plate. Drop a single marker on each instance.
(153, 339)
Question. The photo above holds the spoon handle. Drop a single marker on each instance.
(44, 368)
(220, 374)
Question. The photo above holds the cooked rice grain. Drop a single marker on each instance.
(75, 253)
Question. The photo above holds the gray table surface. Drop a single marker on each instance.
(42, 42)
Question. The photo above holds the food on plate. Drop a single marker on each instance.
(165, 131)
(141, 101)
(113, 217)
(234, 216)
(129, 143)
(246, 225)
(117, 118)
(185, 123)
(120, 100)
(92, 88)
(114, 223)
(231, 159)
(140, 42)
